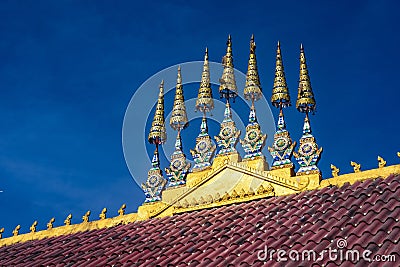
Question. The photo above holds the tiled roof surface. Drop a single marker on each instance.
(366, 215)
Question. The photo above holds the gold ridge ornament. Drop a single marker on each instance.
(254, 140)
(179, 167)
(229, 134)
(282, 147)
(205, 146)
(155, 182)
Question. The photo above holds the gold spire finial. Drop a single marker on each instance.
(179, 118)
(50, 224)
(121, 210)
(229, 51)
(15, 232)
(228, 88)
(103, 215)
(305, 97)
(280, 92)
(252, 89)
(157, 133)
(68, 220)
(33, 227)
(205, 102)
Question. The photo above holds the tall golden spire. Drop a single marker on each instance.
(228, 134)
(205, 102)
(205, 147)
(254, 139)
(157, 134)
(282, 147)
(179, 118)
(280, 92)
(252, 89)
(305, 97)
(308, 154)
(155, 182)
(228, 88)
(178, 167)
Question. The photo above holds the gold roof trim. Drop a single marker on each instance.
(68, 229)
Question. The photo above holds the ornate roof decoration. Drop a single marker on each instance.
(282, 147)
(254, 139)
(179, 118)
(205, 101)
(179, 166)
(205, 146)
(308, 154)
(228, 88)
(305, 98)
(157, 134)
(228, 135)
(280, 92)
(252, 89)
(155, 182)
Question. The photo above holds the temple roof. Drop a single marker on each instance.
(360, 216)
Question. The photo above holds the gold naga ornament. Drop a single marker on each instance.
(155, 182)
(254, 139)
(308, 154)
(282, 147)
(229, 134)
(205, 146)
(179, 167)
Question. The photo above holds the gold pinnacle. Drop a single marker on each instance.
(205, 102)
(252, 89)
(228, 88)
(305, 96)
(179, 118)
(157, 134)
(280, 92)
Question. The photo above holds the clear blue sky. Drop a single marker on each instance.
(69, 68)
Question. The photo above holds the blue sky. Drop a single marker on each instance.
(68, 70)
